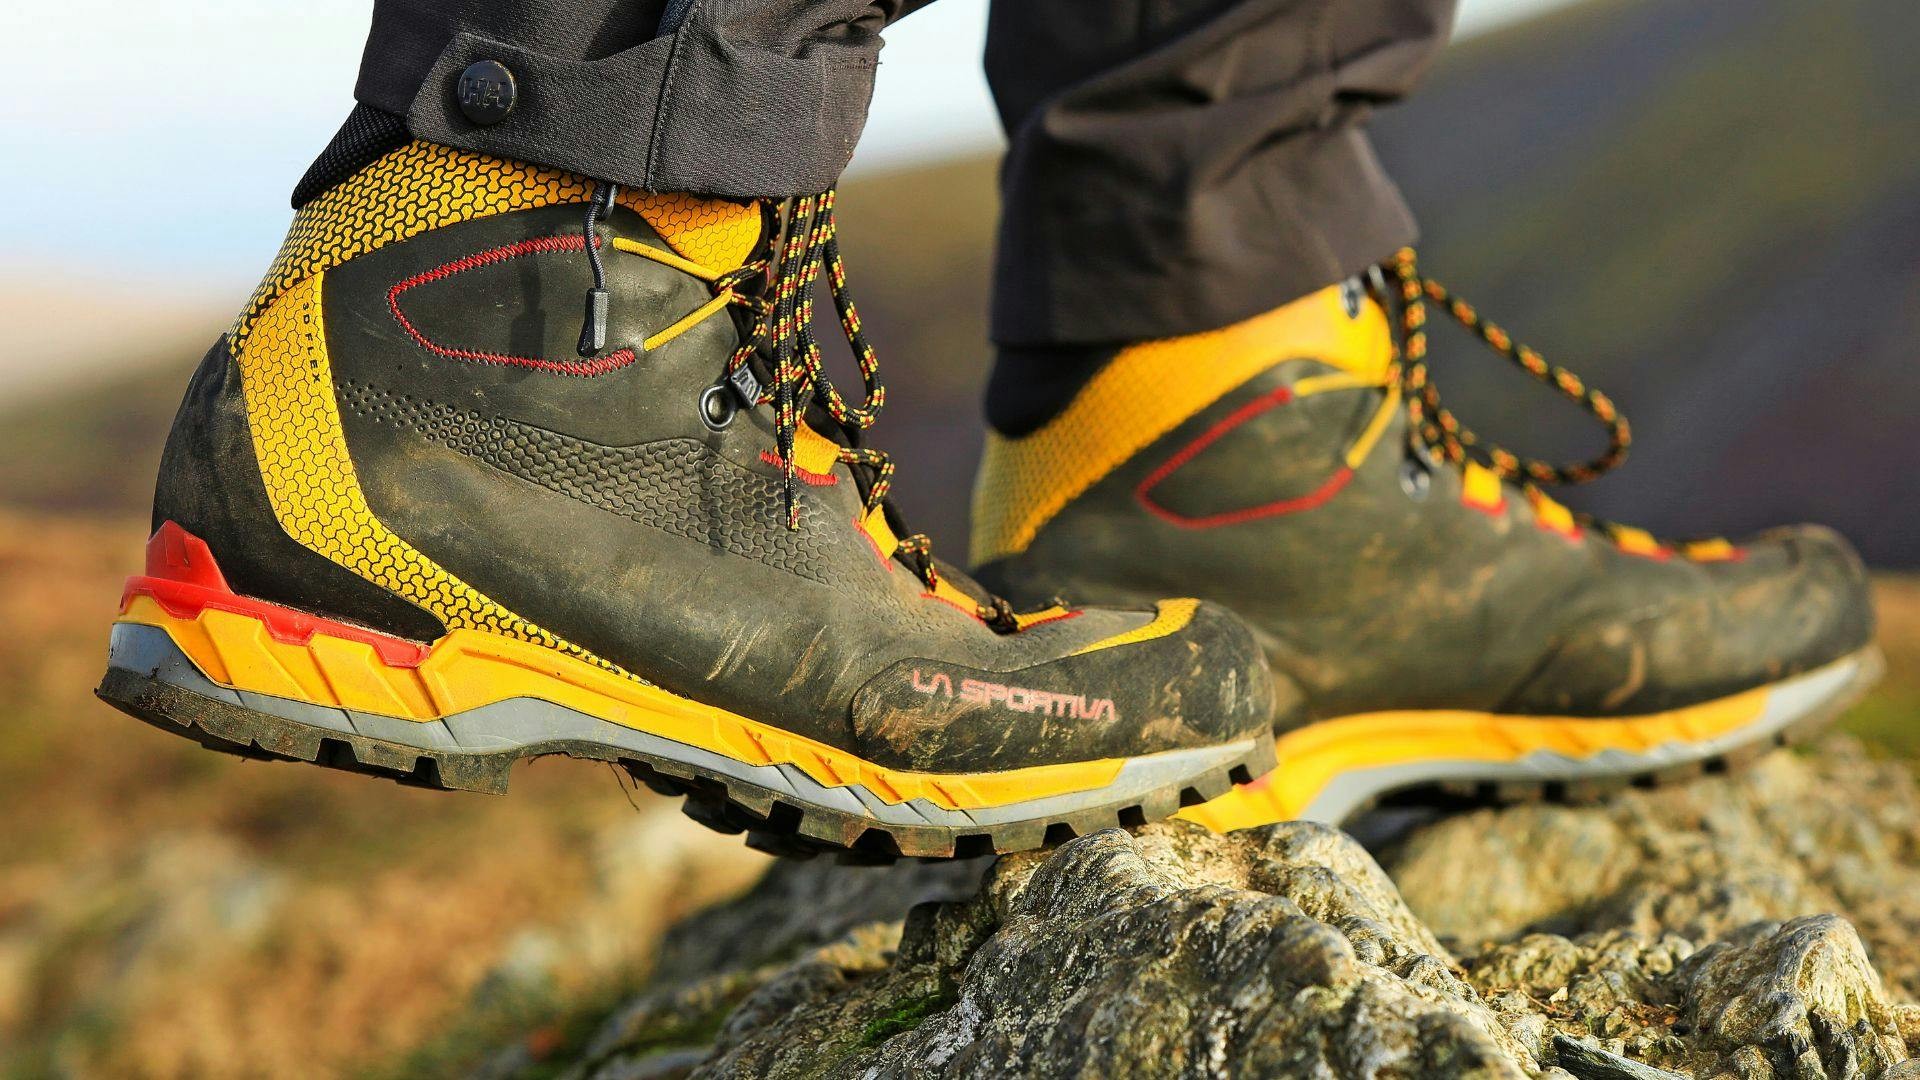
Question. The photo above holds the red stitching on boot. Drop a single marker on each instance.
(1278, 507)
(548, 245)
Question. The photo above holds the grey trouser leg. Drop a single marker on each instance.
(1181, 165)
(725, 97)
(1176, 165)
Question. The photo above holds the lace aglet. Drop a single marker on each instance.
(593, 334)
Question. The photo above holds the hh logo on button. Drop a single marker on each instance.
(487, 92)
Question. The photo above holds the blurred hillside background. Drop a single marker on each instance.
(1711, 208)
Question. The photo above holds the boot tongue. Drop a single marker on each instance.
(1341, 325)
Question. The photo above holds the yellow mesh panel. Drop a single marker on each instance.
(1044, 615)
(875, 523)
(815, 452)
(1147, 391)
(311, 482)
(422, 186)
(712, 232)
(953, 594)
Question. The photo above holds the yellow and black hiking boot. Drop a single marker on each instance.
(1436, 624)
(421, 516)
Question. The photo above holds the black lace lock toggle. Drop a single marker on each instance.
(746, 384)
(593, 333)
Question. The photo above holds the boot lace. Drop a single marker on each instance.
(1437, 432)
(775, 293)
(1443, 433)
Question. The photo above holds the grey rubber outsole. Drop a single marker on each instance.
(786, 813)
(779, 808)
(1555, 779)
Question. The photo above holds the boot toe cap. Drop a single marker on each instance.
(1818, 595)
(1793, 599)
(1186, 675)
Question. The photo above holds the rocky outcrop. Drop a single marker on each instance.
(1759, 928)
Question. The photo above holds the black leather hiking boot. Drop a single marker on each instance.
(1432, 618)
(415, 518)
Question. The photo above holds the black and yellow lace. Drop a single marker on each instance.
(775, 294)
(1437, 432)
(1435, 425)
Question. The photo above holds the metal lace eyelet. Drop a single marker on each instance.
(718, 408)
(1351, 294)
(1415, 478)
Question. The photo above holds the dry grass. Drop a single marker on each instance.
(165, 911)
(1889, 719)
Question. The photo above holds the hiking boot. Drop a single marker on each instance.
(424, 513)
(1433, 619)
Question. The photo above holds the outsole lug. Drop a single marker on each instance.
(972, 845)
(713, 816)
(752, 800)
(779, 845)
(1023, 836)
(482, 776)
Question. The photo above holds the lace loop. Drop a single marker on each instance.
(1433, 430)
(777, 295)
(1438, 428)
(593, 328)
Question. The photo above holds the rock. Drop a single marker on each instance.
(1124, 955)
(805, 921)
(1803, 994)
(1699, 933)
(1791, 836)
(805, 905)
(1591, 1063)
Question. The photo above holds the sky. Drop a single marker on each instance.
(162, 139)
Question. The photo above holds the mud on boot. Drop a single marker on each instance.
(1435, 622)
(420, 516)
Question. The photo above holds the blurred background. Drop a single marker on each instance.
(1711, 208)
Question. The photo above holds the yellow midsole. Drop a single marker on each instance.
(468, 669)
(1310, 758)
